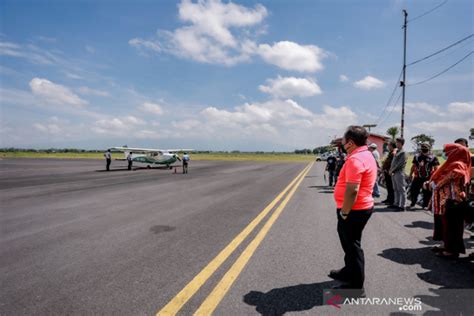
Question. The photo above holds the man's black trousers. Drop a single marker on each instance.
(389, 185)
(350, 234)
(416, 185)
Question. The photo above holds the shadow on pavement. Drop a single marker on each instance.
(288, 299)
(326, 191)
(455, 277)
(386, 210)
(421, 224)
(112, 170)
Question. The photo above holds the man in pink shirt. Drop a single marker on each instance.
(354, 202)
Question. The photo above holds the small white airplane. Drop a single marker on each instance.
(150, 156)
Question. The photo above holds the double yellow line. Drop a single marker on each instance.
(211, 302)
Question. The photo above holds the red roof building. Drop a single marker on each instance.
(378, 139)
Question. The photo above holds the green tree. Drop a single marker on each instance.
(393, 131)
(472, 133)
(322, 149)
(422, 138)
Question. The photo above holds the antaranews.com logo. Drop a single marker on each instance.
(339, 298)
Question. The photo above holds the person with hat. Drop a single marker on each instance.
(373, 149)
(424, 164)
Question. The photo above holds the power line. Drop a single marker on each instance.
(428, 12)
(442, 72)
(391, 111)
(452, 52)
(391, 96)
(441, 50)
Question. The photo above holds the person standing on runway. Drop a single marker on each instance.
(331, 169)
(130, 160)
(108, 159)
(375, 153)
(397, 171)
(392, 151)
(355, 204)
(424, 164)
(185, 162)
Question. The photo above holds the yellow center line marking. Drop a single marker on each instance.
(192, 287)
(211, 302)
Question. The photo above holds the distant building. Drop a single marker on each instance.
(378, 139)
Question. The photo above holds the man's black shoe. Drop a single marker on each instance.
(392, 206)
(337, 275)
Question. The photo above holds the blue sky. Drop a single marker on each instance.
(219, 75)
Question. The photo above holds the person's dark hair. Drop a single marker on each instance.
(357, 134)
(392, 143)
(462, 141)
(401, 140)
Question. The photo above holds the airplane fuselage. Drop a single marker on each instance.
(163, 159)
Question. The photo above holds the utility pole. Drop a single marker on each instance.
(403, 83)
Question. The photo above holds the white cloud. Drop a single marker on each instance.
(214, 19)
(461, 126)
(53, 126)
(286, 87)
(140, 43)
(48, 128)
(343, 78)
(369, 83)
(46, 39)
(55, 93)
(148, 134)
(394, 108)
(272, 124)
(425, 108)
(224, 33)
(73, 76)
(465, 108)
(89, 91)
(335, 118)
(151, 108)
(186, 125)
(292, 56)
(118, 126)
(285, 122)
(18, 51)
(216, 32)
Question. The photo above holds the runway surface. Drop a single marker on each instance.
(78, 240)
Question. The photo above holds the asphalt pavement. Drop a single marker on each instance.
(77, 240)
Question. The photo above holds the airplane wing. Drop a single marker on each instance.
(136, 150)
(177, 150)
(148, 150)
